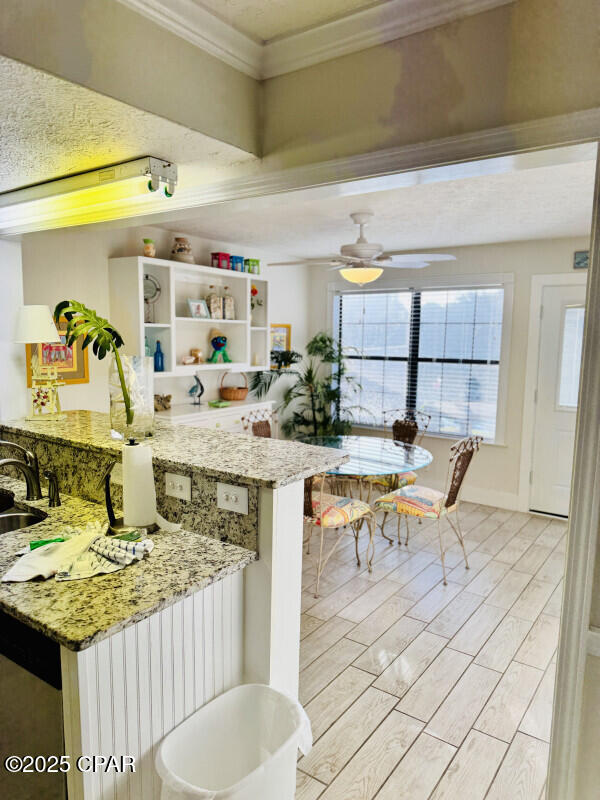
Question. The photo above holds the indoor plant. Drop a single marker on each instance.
(97, 331)
(318, 398)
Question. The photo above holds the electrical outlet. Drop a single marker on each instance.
(178, 486)
(232, 498)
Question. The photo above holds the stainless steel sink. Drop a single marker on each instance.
(7, 500)
(14, 519)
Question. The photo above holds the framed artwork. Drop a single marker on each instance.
(71, 362)
(581, 259)
(198, 309)
(281, 337)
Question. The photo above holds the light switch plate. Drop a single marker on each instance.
(178, 486)
(232, 498)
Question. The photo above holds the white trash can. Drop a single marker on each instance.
(241, 746)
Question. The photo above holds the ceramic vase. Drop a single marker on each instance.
(182, 250)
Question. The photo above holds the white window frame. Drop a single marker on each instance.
(479, 281)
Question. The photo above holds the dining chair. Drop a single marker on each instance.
(407, 425)
(425, 503)
(260, 422)
(329, 512)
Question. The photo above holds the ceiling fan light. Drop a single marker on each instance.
(361, 275)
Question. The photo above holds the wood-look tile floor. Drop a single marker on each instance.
(418, 691)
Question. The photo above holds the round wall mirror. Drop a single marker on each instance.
(151, 294)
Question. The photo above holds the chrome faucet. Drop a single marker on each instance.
(32, 478)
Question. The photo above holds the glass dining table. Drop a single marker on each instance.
(373, 457)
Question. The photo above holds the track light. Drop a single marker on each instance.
(107, 193)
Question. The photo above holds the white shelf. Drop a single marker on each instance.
(184, 370)
(212, 321)
(193, 270)
(177, 336)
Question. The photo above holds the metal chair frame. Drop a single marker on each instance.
(316, 521)
(461, 454)
(421, 418)
(252, 421)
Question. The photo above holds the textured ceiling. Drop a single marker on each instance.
(267, 19)
(537, 203)
(50, 127)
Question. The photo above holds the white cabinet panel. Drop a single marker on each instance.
(124, 694)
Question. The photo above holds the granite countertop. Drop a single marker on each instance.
(225, 456)
(80, 613)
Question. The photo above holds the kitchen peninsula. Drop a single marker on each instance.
(214, 605)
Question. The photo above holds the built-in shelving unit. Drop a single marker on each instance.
(177, 331)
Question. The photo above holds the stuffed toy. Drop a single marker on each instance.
(218, 342)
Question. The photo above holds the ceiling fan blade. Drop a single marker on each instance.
(324, 260)
(402, 265)
(398, 256)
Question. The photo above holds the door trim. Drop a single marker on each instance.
(538, 283)
(581, 548)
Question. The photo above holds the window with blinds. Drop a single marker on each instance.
(436, 350)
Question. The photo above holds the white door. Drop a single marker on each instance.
(561, 337)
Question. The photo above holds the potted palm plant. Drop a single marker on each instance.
(319, 399)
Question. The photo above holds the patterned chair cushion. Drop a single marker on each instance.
(403, 478)
(337, 511)
(418, 501)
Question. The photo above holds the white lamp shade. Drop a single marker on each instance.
(35, 325)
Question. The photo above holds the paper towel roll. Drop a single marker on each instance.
(139, 494)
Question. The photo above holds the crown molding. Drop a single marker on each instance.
(196, 25)
(372, 26)
(367, 28)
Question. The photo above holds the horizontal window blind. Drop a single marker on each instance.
(436, 350)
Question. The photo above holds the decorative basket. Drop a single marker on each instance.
(234, 392)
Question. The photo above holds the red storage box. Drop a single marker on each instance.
(220, 260)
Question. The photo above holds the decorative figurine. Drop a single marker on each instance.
(162, 402)
(196, 391)
(218, 341)
(45, 401)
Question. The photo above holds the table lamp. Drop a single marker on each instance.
(36, 326)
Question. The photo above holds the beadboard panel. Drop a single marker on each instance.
(124, 694)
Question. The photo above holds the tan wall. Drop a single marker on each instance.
(106, 47)
(588, 767)
(496, 479)
(523, 61)
(595, 609)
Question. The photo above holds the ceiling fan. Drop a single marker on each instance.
(363, 261)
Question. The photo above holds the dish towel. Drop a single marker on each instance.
(86, 552)
(103, 555)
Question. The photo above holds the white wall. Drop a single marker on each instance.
(13, 391)
(73, 264)
(496, 478)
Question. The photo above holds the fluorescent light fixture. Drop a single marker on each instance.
(101, 194)
(360, 275)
